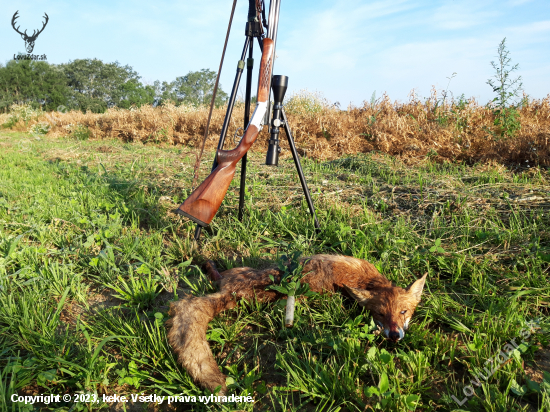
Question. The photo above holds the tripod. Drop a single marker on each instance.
(279, 86)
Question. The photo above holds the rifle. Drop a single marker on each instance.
(204, 202)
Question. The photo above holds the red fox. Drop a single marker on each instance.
(390, 306)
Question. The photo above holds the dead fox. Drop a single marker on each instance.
(390, 306)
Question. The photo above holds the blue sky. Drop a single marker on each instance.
(344, 49)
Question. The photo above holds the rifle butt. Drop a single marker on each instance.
(204, 202)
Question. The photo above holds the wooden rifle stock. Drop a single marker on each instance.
(204, 202)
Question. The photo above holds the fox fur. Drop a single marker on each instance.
(390, 306)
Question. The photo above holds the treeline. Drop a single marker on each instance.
(92, 86)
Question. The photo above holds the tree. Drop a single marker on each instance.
(35, 82)
(164, 93)
(196, 88)
(136, 94)
(97, 86)
(94, 86)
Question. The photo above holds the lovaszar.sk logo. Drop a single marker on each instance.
(29, 40)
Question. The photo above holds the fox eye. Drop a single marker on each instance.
(403, 312)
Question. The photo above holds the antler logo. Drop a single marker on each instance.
(29, 40)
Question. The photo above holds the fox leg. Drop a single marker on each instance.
(212, 271)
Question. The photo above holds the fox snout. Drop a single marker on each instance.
(395, 336)
(394, 331)
(391, 307)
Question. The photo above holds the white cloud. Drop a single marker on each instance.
(455, 15)
(337, 37)
(529, 31)
(518, 2)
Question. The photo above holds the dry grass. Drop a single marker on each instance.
(415, 129)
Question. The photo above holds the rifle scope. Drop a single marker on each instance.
(279, 84)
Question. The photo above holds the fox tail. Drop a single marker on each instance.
(187, 336)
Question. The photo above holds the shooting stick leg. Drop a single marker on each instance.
(247, 99)
(299, 170)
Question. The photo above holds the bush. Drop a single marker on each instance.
(305, 102)
(40, 128)
(78, 131)
(23, 112)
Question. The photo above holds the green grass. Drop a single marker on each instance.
(91, 256)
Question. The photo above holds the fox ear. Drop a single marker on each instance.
(415, 288)
(360, 295)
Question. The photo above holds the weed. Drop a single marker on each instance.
(79, 132)
(137, 291)
(440, 108)
(21, 112)
(290, 278)
(507, 117)
(40, 128)
(506, 88)
(305, 102)
(507, 121)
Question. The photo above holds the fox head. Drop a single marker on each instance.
(391, 307)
